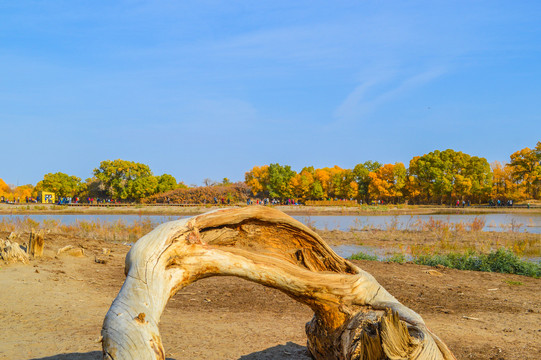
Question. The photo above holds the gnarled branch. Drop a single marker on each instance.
(354, 316)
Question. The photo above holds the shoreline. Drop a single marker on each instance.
(301, 210)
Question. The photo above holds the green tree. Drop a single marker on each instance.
(361, 177)
(63, 185)
(279, 178)
(166, 182)
(117, 177)
(479, 175)
(142, 187)
(443, 175)
(316, 190)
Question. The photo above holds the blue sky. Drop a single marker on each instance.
(208, 89)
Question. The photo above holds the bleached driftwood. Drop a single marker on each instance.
(11, 252)
(354, 316)
(71, 251)
(36, 243)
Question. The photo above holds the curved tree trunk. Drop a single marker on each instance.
(354, 316)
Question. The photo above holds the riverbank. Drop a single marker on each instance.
(301, 210)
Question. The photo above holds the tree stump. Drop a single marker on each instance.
(36, 243)
(354, 316)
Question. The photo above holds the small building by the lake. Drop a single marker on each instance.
(46, 197)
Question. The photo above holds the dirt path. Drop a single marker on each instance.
(54, 307)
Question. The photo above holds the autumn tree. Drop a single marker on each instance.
(504, 186)
(387, 182)
(14, 193)
(5, 190)
(322, 177)
(347, 186)
(23, 191)
(334, 181)
(361, 176)
(63, 185)
(302, 183)
(526, 169)
(257, 179)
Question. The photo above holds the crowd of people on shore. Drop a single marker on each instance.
(498, 203)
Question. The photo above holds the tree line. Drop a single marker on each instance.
(120, 180)
(436, 177)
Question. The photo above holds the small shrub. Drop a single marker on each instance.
(397, 258)
(363, 256)
(501, 260)
(515, 283)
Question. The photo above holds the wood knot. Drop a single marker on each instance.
(140, 318)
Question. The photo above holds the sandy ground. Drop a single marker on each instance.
(54, 308)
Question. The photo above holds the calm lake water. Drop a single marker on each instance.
(493, 222)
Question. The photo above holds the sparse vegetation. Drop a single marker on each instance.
(363, 256)
(501, 261)
(119, 230)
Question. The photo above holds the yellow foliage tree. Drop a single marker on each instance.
(17, 194)
(301, 184)
(257, 178)
(387, 182)
(351, 190)
(504, 186)
(24, 191)
(413, 189)
(5, 190)
(526, 169)
(325, 179)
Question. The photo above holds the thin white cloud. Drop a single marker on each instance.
(367, 96)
